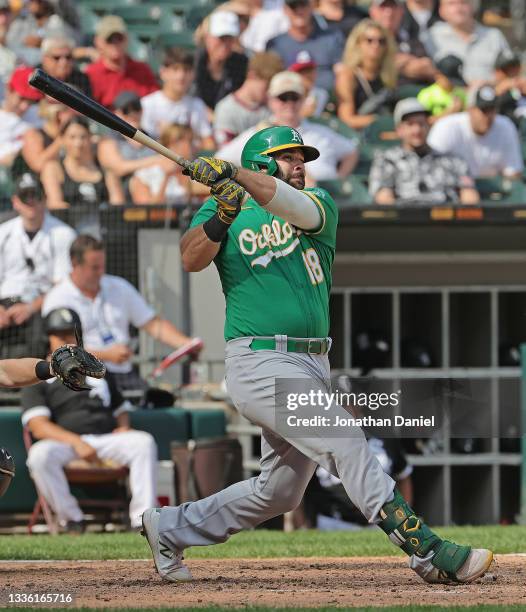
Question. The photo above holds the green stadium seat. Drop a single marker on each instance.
(165, 425)
(174, 39)
(138, 49)
(196, 14)
(348, 192)
(410, 90)
(503, 191)
(381, 133)
(336, 124)
(207, 423)
(103, 7)
(88, 19)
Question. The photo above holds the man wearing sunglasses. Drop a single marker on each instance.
(305, 33)
(58, 61)
(34, 255)
(286, 95)
(116, 71)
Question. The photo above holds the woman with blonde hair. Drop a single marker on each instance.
(366, 74)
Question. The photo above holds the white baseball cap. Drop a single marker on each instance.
(223, 23)
(284, 82)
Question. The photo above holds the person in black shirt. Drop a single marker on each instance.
(219, 69)
(92, 425)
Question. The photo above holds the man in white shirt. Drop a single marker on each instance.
(34, 255)
(107, 305)
(338, 155)
(172, 104)
(20, 96)
(487, 142)
(477, 46)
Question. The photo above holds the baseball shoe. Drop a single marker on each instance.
(475, 566)
(168, 563)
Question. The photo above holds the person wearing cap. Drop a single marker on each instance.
(92, 425)
(459, 34)
(34, 255)
(316, 98)
(341, 15)
(219, 69)
(306, 34)
(173, 103)
(247, 106)
(367, 76)
(20, 96)
(59, 62)
(107, 306)
(123, 156)
(510, 85)
(28, 30)
(448, 94)
(412, 60)
(486, 141)
(413, 172)
(116, 71)
(338, 154)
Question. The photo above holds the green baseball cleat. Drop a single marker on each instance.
(168, 563)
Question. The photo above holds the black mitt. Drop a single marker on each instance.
(71, 364)
(7, 470)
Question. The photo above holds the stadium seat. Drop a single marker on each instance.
(88, 20)
(103, 7)
(503, 191)
(336, 124)
(174, 39)
(381, 133)
(347, 192)
(138, 49)
(165, 425)
(195, 15)
(410, 90)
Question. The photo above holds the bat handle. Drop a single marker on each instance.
(157, 146)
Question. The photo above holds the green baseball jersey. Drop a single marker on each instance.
(275, 277)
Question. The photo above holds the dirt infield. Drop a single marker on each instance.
(361, 581)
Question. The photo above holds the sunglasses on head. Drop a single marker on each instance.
(289, 96)
(370, 40)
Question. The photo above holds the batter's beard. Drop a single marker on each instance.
(298, 182)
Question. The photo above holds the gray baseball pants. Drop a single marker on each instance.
(287, 463)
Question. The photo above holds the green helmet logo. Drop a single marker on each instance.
(257, 151)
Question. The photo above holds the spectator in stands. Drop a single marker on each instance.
(58, 61)
(219, 69)
(419, 16)
(116, 71)
(477, 46)
(487, 142)
(338, 155)
(367, 75)
(43, 144)
(107, 305)
(165, 182)
(77, 179)
(120, 155)
(243, 11)
(173, 104)
(448, 94)
(413, 171)
(248, 105)
(510, 86)
(305, 34)
(91, 425)
(316, 98)
(7, 56)
(20, 96)
(28, 30)
(339, 14)
(267, 20)
(412, 61)
(34, 255)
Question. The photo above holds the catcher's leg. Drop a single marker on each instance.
(46, 460)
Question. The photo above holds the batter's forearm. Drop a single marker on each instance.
(197, 250)
(18, 372)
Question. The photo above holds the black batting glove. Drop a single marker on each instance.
(228, 196)
(210, 170)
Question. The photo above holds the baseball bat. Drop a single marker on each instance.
(85, 105)
(192, 347)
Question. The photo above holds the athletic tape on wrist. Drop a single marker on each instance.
(215, 229)
(42, 370)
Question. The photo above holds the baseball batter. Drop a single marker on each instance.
(274, 253)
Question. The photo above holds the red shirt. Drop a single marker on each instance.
(107, 84)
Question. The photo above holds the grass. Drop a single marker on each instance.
(253, 544)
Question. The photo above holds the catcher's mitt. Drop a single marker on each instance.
(7, 470)
(71, 364)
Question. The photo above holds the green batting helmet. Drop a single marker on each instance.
(257, 151)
